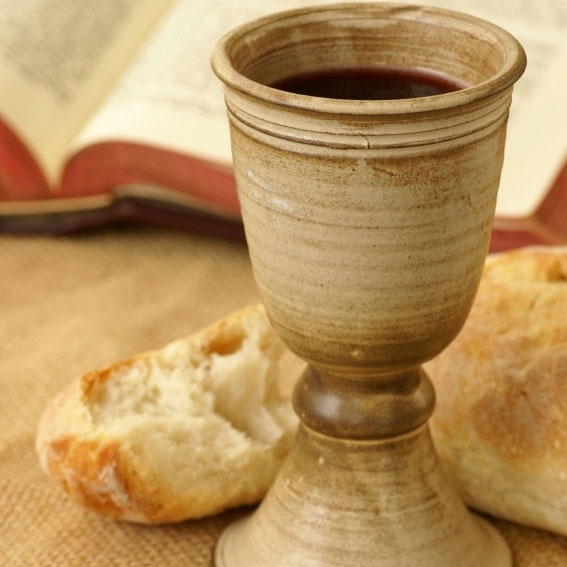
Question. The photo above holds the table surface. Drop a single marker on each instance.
(70, 304)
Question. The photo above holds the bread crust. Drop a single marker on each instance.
(500, 424)
(128, 458)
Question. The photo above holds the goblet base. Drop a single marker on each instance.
(381, 503)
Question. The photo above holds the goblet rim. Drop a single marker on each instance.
(511, 69)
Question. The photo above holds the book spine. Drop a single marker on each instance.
(552, 212)
(546, 226)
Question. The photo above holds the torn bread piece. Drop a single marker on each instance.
(183, 432)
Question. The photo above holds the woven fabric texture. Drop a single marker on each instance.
(70, 304)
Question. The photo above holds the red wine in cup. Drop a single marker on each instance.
(369, 83)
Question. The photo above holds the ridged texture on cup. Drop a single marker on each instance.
(368, 221)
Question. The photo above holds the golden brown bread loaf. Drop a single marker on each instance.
(201, 425)
(500, 424)
(182, 432)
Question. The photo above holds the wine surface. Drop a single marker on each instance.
(369, 83)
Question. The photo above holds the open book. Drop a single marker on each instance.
(109, 109)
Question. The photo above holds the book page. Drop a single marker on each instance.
(57, 58)
(171, 98)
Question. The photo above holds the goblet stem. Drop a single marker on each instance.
(341, 502)
(362, 405)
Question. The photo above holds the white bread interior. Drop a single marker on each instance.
(182, 432)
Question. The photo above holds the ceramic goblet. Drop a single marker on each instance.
(367, 222)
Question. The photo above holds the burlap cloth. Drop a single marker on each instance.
(69, 304)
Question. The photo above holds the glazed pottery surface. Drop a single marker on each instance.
(367, 223)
